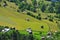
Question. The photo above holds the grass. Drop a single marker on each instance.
(18, 20)
(36, 34)
(9, 17)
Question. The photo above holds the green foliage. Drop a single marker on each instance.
(0, 5)
(57, 7)
(53, 6)
(22, 6)
(51, 9)
(13, 34)
(39, 14)
(38, 17)
(0, 0)
(31, 37)
(48, 0)
(1, 27)
(28, 13)
(58, 24)
(34, 2)
(51, 18)
(43, 8)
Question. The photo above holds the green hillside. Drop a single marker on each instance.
(18, 20)
(29, 20)
(9, 17)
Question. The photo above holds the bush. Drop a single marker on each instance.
(27, 19)
(51, 20)
(56, 22)
(30, 37)
(1, 27)
(0, 5)
(45, 18)
(42, 27)
(28, 13)
(38, 17)
(12, 0)
(43, 8)
(40, 32)
(39, 14)
(6, 27)
(57, 7)
(56, 16)
(51, 9)
(18, 10)
(58, 19)
(32, 15)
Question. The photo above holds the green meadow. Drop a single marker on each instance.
(9, 17)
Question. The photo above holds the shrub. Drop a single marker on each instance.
(58, 19)
(43, 8)
(30, 37)
(6, 27)
(51, 9)
(42, 27)
(28, 13)
(56, 22)
(27, 19)
(1, 27)
(39, 14)
(38, 17)
(45, 18)
(56, 16)
(32, 15)
(0, 5)
(18, 10)
(51, 20)
(40, 32)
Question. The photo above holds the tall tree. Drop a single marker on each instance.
(51, 9)
(57, 6)
(43, 8)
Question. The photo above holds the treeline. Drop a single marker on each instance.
(37, 6)
(37, 17)
(53, 7)
(13, 34)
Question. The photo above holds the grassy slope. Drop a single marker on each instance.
(9, 17)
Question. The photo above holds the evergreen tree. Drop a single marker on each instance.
(51, 9)
(43, 8)
(57, 7)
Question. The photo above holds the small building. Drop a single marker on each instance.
(42, 38)
(49, 33)
(5, 30)
(48, 36)
(29, 30)
(4, 4)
